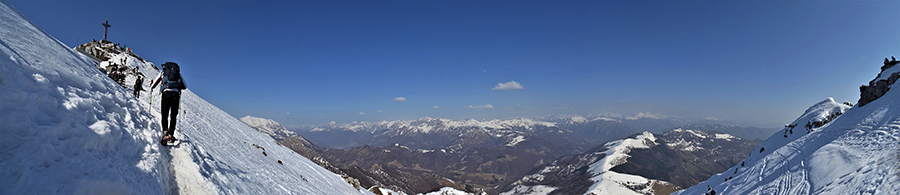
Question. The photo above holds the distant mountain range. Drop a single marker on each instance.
(489, 156)
(437, 133)
(832, 148)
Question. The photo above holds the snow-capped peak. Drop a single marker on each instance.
(267, 126)
(610, 182)
(618, 151)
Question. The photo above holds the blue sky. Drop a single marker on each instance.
(757, 63)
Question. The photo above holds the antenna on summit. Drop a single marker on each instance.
(105, 26)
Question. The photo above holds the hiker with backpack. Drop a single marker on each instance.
(138, 86)
(172, 85)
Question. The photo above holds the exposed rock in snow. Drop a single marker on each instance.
(881, 84)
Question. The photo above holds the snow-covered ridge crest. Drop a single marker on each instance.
(604, 181)
(618, 151)
(267, 126)
(610, 182)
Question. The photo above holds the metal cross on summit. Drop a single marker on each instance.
(105, 26)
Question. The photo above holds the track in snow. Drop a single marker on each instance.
(184, 175)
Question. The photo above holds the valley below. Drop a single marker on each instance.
(505, 156)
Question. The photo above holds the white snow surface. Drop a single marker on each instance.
(69, 129)
(884, 75)
(856, 153)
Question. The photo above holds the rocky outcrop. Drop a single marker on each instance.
(103, 50)
(876, 87)
(112, 59)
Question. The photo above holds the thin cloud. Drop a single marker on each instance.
(512, 85)
(479, 107)
(436, 107)
(400, 99)
(361, 113)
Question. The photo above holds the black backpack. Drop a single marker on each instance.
(172, 76)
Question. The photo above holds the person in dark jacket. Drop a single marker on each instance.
(171, 88)
(138, 87)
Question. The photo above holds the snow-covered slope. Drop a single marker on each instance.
(69, 129)
(643, 163)
(267, 126)
(609, 182)
(857, 152)
(603, 180)
(66, 127)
